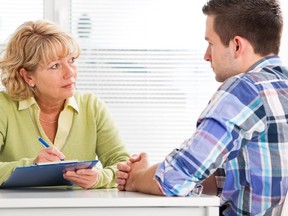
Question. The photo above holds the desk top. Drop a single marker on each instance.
(48, 197)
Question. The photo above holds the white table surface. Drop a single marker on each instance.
(44, 201)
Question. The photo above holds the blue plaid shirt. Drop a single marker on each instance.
(241, 137)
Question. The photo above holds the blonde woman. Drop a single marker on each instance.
(39, 73)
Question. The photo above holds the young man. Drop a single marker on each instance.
(240, 147)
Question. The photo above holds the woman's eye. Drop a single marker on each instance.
(55, 66)
(72, 60)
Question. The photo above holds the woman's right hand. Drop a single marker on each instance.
(50, 154)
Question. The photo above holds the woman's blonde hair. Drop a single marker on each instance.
(34, 44)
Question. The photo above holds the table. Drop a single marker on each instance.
(107, 202)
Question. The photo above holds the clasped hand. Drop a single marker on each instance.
(127, 171)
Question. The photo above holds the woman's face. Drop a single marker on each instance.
(56, 81)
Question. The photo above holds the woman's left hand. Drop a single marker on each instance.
(84, 178)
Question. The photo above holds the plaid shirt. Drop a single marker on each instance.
(244, 130)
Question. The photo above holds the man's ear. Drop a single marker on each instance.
(28, 79)
(238, 45)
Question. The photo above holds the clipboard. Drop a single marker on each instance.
(50, 174)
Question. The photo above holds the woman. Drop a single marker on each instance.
(39, 72)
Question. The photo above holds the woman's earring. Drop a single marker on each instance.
(32, 85)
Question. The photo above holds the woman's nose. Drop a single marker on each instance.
(68, 71)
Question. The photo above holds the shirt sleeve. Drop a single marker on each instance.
(223, 128)
(220, 177)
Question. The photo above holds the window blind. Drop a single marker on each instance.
(145, 60)
(284, 41)
(14, 12)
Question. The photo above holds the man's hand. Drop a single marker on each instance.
(136, 175)
(122, 174)
(124, 169)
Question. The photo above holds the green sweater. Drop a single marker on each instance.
(91, 134)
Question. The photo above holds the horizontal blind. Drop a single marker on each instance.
(145, 60)
(15, 12)
(284, 41)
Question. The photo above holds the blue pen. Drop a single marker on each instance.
(45, 144)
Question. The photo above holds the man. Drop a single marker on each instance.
(240, 147)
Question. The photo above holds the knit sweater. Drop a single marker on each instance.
(91, 134)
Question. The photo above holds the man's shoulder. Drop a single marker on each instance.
(272, 73)
(236, 82)
(254, 77)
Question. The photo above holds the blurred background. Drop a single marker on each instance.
(144, 58)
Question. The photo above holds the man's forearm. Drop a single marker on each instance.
(210, 186)
(144, 181)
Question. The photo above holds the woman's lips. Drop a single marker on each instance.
(70, 85)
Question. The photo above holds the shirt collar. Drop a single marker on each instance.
(25, 104)
(268, 61)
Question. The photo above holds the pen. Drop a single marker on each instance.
(45, 144)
